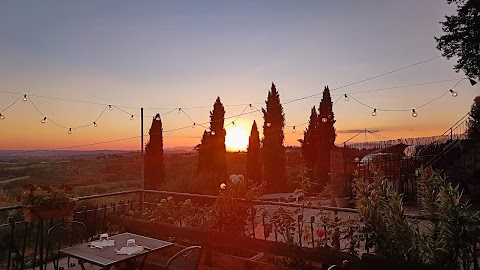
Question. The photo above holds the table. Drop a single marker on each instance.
(107, 256)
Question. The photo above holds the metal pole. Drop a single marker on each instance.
(142, 187)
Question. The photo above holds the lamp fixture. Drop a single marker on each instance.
(454, 93)
(131, 117)
(294, 130)
(24, 97)
(70, 131)
(414, 113)
(374, 113)
(95, 124)
(110, 107)
(2, 116)
(44, 120)
(346, 98)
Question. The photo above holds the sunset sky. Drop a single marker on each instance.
(163, 55)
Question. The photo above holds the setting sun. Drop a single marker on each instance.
(236, 139)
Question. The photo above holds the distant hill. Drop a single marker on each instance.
(70, 153)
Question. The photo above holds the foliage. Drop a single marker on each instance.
(461, 37)
(473, 124)
(154, 166)
(310, 142)
(230, 212)
(273, 152)
(326, 137)
(45, 195)
(212, 151)
(254, 167)
(448, 233)
(231, 209)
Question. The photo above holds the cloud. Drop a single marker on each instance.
(355, 131)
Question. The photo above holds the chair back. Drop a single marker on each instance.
(64, 234)
(186, 259)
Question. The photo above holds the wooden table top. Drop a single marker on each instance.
(107, 256)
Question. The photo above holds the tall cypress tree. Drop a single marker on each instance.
(473, 124)
(273, 152)
(154, 166)
(254, 167)
(326, 137)
(212, 151)
(310, 143)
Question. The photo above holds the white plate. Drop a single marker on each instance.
(104, 243)
(130, 250)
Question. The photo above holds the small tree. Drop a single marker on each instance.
(254, 167)
(310, 143)
(462, 37)
(326, 137)
(154, 166)
(473, 124)
(273, 152)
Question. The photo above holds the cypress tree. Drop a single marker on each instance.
(212, 151)
(273, 152)
(310, 143)
(154, 166)
(326, 137)
(473, 124)
(254, 167)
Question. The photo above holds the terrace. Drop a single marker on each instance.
(275, 235)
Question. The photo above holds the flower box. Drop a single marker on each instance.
(33, 213)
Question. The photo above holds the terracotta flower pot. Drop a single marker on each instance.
(342, 202)
(33, 213)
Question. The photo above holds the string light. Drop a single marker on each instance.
(212, 132)
(131, 117)
(414, 113)
(110, 107)
(251, 108)
(374, 113)
(70, 131)
(194, 124)
(179, 110)
(24, 97)
(454, 93)
(346, 98)
(95, 124)
(294, 130)
(269, 124)
(2, 116)
(324, 120)
(233, 123)
(44, 120)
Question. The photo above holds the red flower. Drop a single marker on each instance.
(320, 233)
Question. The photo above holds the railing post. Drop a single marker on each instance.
(312, 220)
(300, 221)
(12, 241)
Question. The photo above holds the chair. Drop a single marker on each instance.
(64, 234)
(186, 259)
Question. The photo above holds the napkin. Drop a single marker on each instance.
(103, 243)
(130, 250)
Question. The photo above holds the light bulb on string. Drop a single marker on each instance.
(212, 132)
(233, 123)
(70, 131)
(95, 124)
(24, 97)
(454, 93)
(414, 113)
(374, 113)
(110, 107)
(269, 124)
(194, 124)
(294, 130)
(131, 117)
(179, 110)
(324, 120)
(44, 120)
(251, 108)
(346, 98)
(2, 116)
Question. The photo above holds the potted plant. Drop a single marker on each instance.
(339, 191)
(46, 201)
